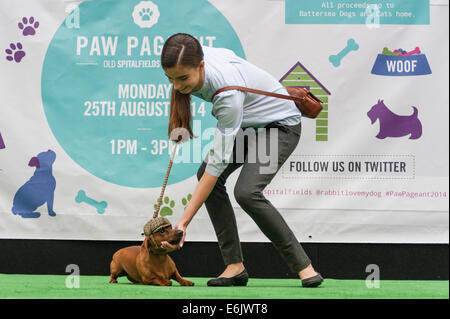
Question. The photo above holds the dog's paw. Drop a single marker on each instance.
(30, 215)
(187, 283)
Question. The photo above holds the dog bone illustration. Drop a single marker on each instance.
(386, 51)
(81, 197)
(415, 51)
(351, 46)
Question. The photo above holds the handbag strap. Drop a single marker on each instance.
(243, 88)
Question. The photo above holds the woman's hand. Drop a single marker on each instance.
(201, 193)
(169, 247)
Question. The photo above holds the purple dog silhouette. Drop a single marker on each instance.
(393, 125)
(2, 144)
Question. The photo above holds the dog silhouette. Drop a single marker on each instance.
(393, 125)
(2, 144)
(39, 189)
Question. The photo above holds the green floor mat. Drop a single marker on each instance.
(98, 287)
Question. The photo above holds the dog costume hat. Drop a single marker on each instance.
(154, 225)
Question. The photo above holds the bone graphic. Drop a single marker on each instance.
(351, 46)
(386, 51)
(415, 51)
(2, 144)
(81, 197)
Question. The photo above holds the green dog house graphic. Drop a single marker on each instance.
(299, 76)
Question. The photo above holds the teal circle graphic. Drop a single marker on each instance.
(106, 98)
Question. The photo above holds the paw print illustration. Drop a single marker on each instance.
(28, 26)
(186, 200)
(15, 53)
(145, 14)
(166, 209)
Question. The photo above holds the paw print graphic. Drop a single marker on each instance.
(15, 52)
(145, 14)
(28, 26)
(166, 209)
(186, 200)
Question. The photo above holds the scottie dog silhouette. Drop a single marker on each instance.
(2, 144)
(39, 189)
(393, 125)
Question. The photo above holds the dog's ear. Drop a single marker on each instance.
(145, 243)
(34, 162)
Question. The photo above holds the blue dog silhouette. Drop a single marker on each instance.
(39, 189)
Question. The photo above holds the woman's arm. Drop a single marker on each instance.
(201, 193)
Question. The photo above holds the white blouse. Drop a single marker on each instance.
(236, 109)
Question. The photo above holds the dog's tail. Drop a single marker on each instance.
(15, 210)
(416, 112)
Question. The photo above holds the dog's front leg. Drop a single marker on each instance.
(166, 283)
(50, 200)
(157, 282)
(183, 282)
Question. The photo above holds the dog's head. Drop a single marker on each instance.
(158, 230)
(43, 160)
(375, 111)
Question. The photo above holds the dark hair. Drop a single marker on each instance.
(183, 49)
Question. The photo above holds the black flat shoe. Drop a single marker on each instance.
(312, 281)
(238, 280)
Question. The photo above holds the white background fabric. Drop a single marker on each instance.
(352, 216)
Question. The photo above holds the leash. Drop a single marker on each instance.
(155, 214)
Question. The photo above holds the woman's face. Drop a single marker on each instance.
(186, 79)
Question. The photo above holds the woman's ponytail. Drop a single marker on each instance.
(182, 49)
(180, 116)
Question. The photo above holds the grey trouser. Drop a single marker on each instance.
(248, 194)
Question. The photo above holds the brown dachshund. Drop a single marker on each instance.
(149, 264)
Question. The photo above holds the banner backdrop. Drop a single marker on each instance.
(85, 106)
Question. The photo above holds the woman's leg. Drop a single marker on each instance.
(248, 193)
(222, 217)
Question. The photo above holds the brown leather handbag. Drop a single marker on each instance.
(306, 102)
